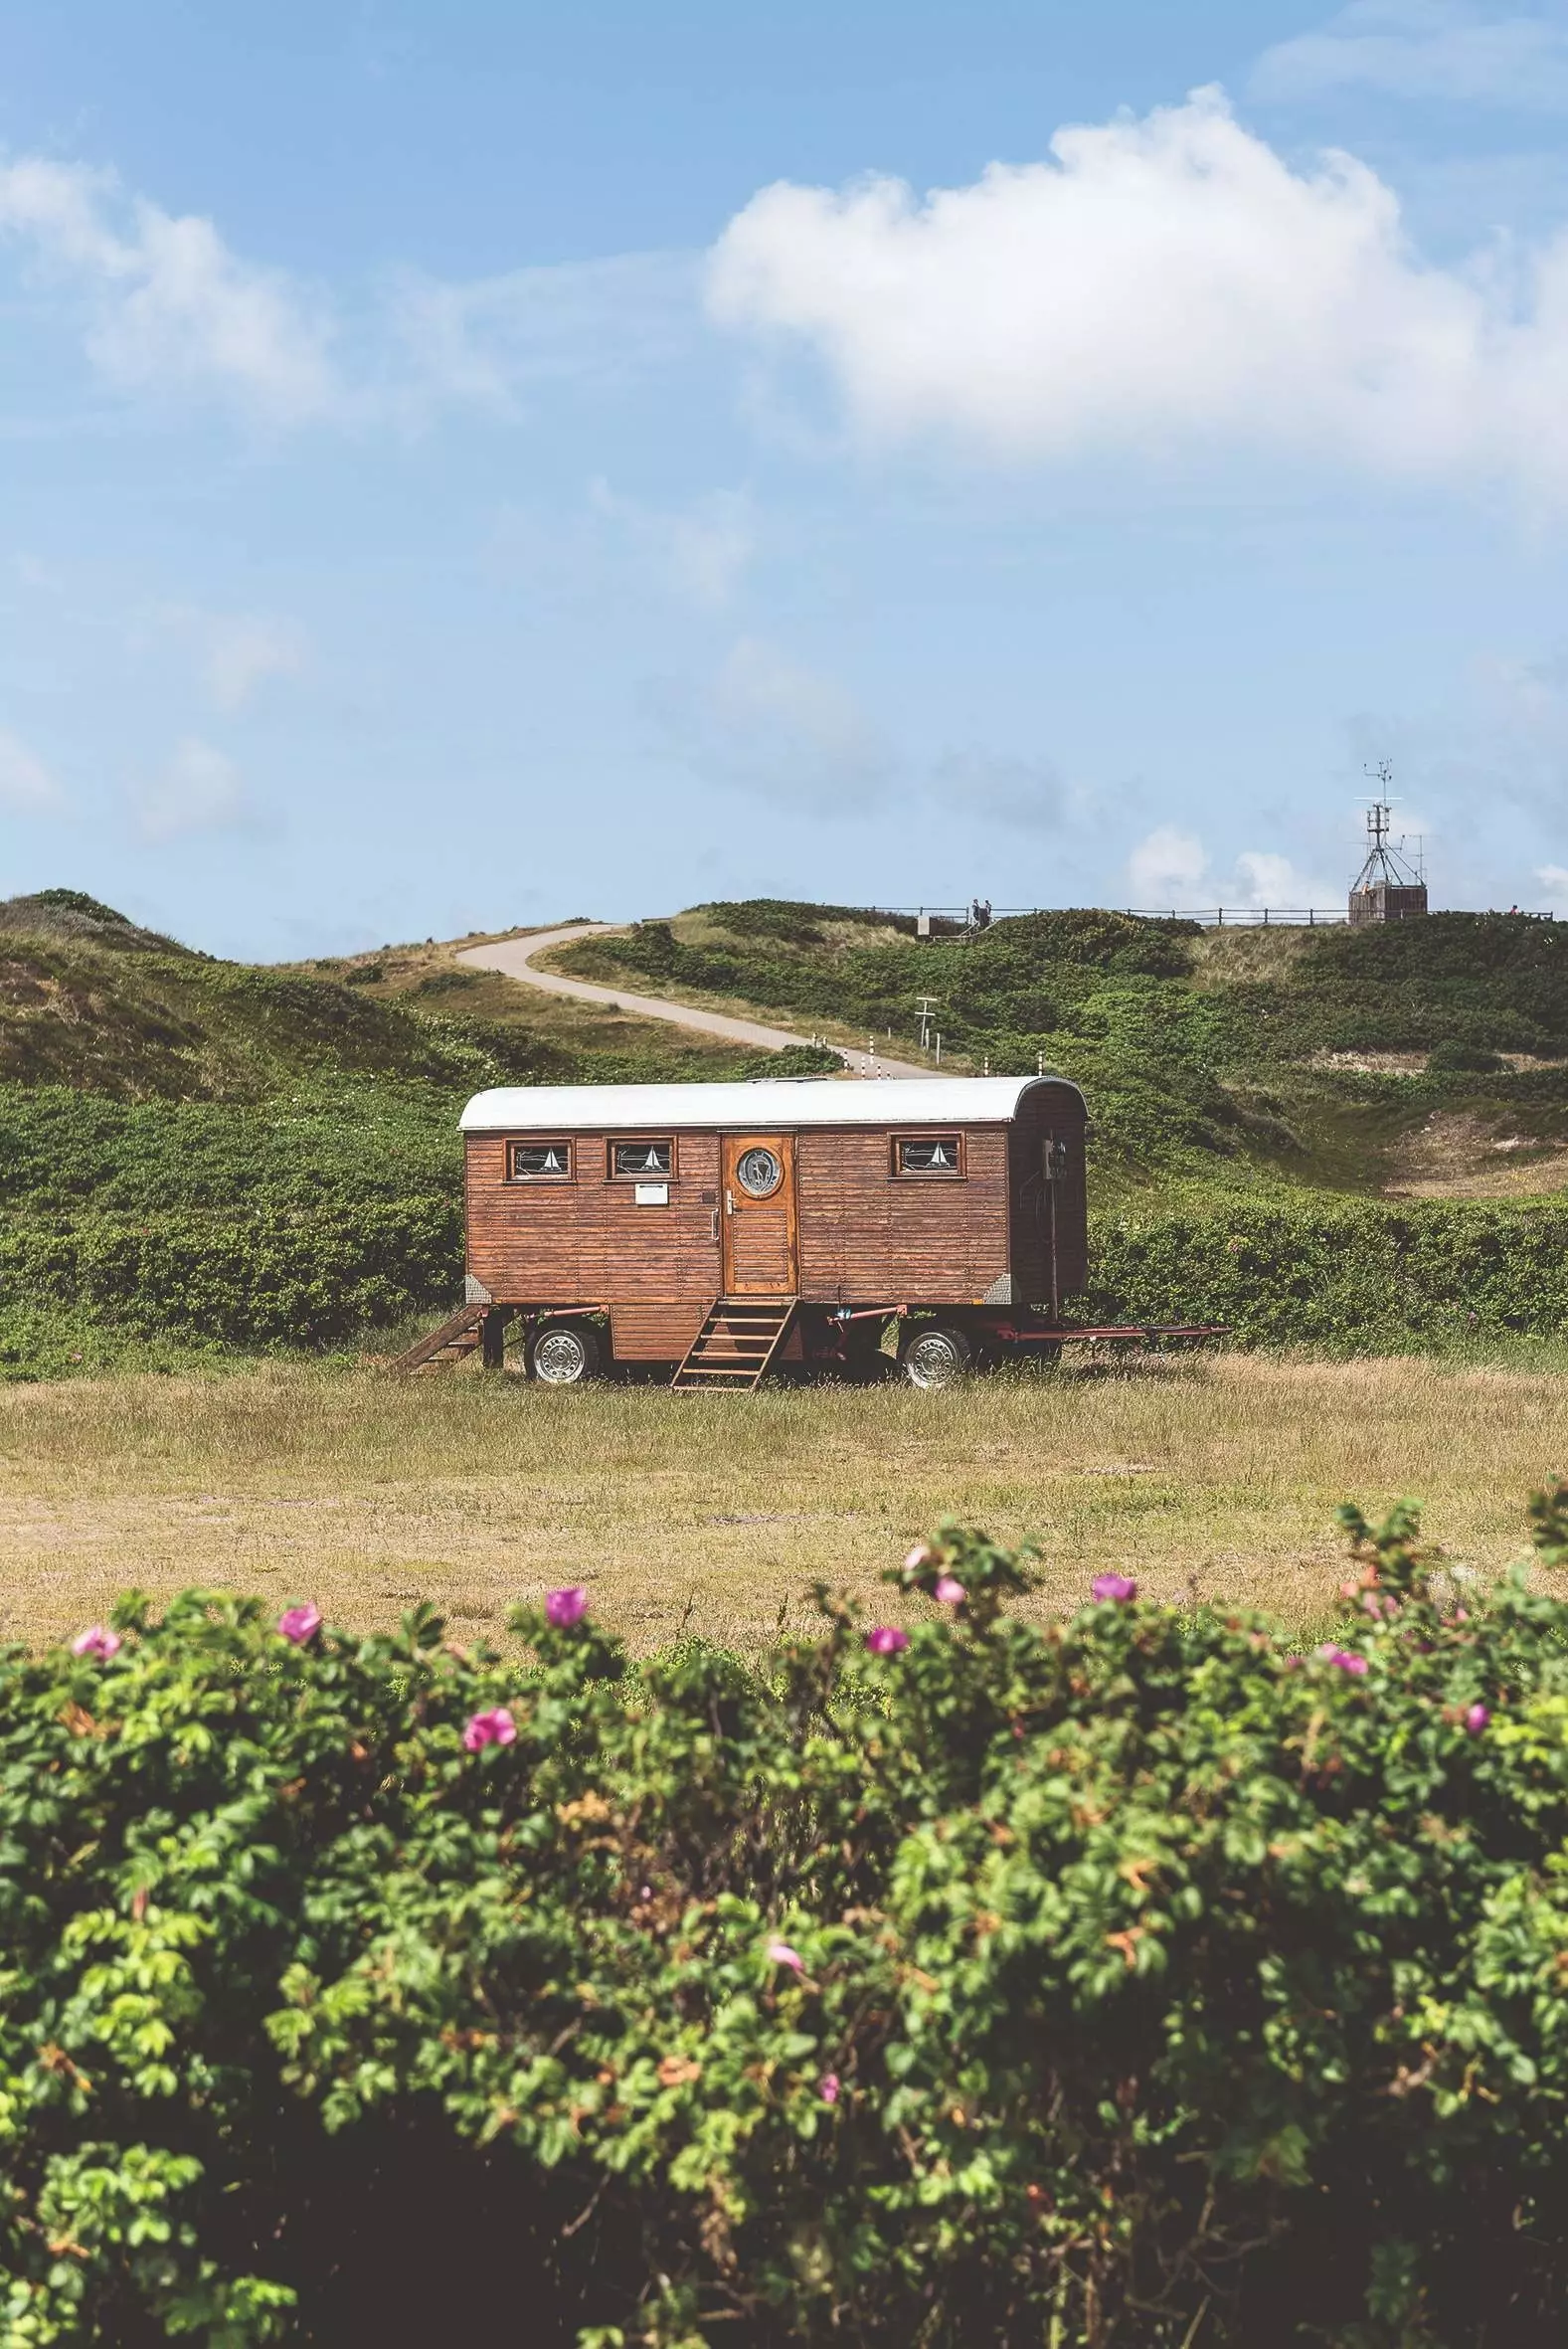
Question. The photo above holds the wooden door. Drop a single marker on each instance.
(761, 1251)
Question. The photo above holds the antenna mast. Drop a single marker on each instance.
(1388, 887)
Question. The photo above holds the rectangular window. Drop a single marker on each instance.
(928, 1153)
(643, 1161)
(538, 1162)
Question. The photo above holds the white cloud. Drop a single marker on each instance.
(1161, 285)
(1423, 49)
(702, 551)
(233, 652)
(199, 791)
(242, 654)
(170, 307)
(1271, 880)
(1025, 794)
(485, 341)
(1170, 870)
(1170, 867)
(768, 725)
(26, 786)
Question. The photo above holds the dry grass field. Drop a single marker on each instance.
(716, 1511)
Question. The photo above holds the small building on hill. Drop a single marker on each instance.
(1388, 887)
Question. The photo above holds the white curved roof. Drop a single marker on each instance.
(770, 1105)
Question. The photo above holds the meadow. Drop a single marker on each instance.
(712, 1515)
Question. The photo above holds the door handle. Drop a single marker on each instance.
(713, 1235)
(729, 1203)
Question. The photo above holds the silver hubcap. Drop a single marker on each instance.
(560, 1358)
(934, 1360)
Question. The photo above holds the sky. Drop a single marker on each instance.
(476, 464)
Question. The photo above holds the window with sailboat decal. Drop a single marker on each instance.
(538, 1162)
(642, 1161)
(928, 1154)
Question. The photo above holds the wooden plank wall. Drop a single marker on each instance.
(868, 1238)
(587, 1241)
(865, 1238)
(654, 1333)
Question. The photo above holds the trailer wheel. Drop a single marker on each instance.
(562, 1354)
(937, 1355)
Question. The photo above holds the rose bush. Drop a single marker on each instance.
(1142, 1978)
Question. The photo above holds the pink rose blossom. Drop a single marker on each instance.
(827, 2088)
(949, 1591)
(563, 1608)
(1115, 1587)
(1344, 1658)
(496, 1728)
(298, 1624)
(1477, 1718)
(921, 1555)
(779, 1953)
(98, 1641)
(886, 1640)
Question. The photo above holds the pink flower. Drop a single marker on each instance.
(490, 1729)
(921, 1555)
(949, 1591)
(1477, 1718)
(886, 1640)
(97, 1640)
(563, 1608)
(779, 1953)
(1117, 1587)
(827, 2088)
(1344, 1657)
(298, 1624)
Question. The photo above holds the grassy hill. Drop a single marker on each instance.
(201, 1155)
(1325, 1136)
(1426, 1060)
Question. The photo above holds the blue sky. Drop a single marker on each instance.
(475, 465)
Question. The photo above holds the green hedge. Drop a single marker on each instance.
(1130, 1980)
(273, 1277)
(1366, 1275)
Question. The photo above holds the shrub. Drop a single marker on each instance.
(269, 1277)
(1361, 1274)
(1475, 1058)
(1128, 1980)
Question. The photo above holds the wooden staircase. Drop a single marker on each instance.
(736, 1343)
(452, 1343)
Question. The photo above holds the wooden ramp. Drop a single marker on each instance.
(736, 1343)
(452, 1342)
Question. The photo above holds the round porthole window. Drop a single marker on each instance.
(759, 1172)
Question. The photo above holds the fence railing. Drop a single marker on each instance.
(1214, 917)
(1254, 917)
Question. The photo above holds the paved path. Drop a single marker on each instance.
(514, 958)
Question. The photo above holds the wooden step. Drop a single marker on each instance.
(739, 1338)
(449, 1344)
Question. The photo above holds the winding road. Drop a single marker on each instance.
(513, 957)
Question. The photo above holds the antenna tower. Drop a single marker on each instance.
(1388, 887)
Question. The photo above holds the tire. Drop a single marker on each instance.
(562, 1354)
(937, 1355)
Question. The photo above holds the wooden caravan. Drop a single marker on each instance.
(724, 1229)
